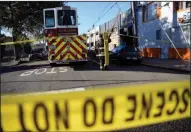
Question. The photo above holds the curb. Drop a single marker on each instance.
(15, 63)
(168, 68)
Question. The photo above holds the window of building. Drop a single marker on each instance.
(169, 33)
(179, 5)
(188, 4)
(144, 14)
(150, 11)
(158, 34)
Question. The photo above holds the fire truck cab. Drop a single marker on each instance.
(60, 21)
(61, 29)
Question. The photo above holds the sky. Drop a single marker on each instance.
(89, 12)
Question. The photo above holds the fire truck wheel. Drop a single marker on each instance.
(53, 64)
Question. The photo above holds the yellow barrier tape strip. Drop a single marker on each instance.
(35, 40)
(144, 38)
(166, 41)
(97, 110)
(23, 41)
(18, 42)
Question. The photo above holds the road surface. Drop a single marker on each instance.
(39, 76)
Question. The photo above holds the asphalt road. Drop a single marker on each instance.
(39, 76)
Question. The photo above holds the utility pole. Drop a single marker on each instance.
(133, 4)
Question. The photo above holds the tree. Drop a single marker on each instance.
(24, 17)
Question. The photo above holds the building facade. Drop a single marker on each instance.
(93, 36)
(120, 22)
(163, 28)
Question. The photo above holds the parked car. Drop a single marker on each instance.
(91, 48)
(25, 57)
(39, 54)
(124, 53)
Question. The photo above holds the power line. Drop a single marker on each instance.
(105, 7)
(119, 7)
(105, 13)
(109, 9)
(102, 11)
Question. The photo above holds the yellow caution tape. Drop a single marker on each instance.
(33, 40)
(97, 110)
(21, 42)
(142, 37)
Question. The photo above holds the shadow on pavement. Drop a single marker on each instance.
(102, 83)
(182, 125)
(89, 66)
(121, 81)
(7, 69)
(94, 66)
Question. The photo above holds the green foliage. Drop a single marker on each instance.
(24, 17)
(4, 38)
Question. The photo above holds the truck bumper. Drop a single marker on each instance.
(66, 61)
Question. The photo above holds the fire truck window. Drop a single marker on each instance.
(49, 19)
(66, 17)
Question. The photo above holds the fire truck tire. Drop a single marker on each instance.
(52, 64)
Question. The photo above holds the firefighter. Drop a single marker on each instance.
(101, 52)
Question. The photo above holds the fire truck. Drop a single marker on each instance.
(61, 32)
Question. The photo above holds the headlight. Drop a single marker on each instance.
(52, 47)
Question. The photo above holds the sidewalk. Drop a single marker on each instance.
(11, 63)
(172, 64)
(8, 61)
